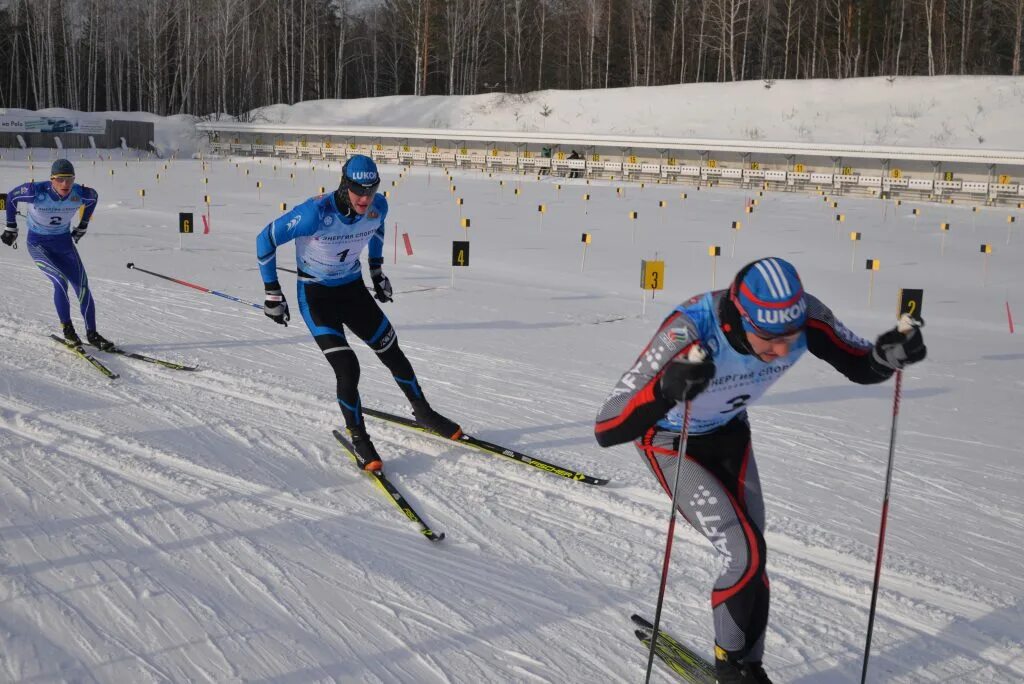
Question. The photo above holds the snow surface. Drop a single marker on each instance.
(950, 111)
(206, 527)
(944, 111)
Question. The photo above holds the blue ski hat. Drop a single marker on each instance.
(360, 175)
(770, 298)
(62, 167)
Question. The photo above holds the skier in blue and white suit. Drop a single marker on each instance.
(330, 232)
(751, 333)
(52, 206)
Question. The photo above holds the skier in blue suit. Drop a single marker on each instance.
(51, 240)
(330, 232)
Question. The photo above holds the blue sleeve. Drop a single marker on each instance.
(302, 220)
(89, 199)
(22, 193)
(375, 253)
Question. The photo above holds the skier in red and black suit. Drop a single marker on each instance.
(751, 334)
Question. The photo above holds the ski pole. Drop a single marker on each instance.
(196, 287)
(904, 326)
(696, 355)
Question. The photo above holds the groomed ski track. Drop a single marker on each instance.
(206, 527)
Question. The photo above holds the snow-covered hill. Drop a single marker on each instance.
(948, 111)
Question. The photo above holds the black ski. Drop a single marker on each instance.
(679, 658)
(148, 359)
(491, 448)
(77, 349)
(391, 492)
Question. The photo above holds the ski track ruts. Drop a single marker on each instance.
(815, 581)
(199, 483)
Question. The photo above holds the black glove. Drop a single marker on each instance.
(896, 349)
(683, 380)
(10, 235)
(275, 306)
(79, 232)
(381, 285)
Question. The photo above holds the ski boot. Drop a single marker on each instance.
(71, 337)
(731, 671)
(366, 454)
(434, 421)
(98, 341)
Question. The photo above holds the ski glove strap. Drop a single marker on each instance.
(381, 285)
(683, 380)
(896, 349)
(79, 232)
(275, 306)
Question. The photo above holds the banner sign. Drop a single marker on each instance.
(35, 123)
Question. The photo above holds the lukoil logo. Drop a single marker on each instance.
(363, 176)
(782, 316)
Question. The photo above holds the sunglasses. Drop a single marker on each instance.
(63, 178)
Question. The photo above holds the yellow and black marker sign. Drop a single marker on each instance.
(944, 226)
(206, 199)
(516, 191)
(652, 275)
(585, 239)
(586, 198)
(915, 212)
(873, 264)
(185, 223)
(682, 195)
(460, 253)
(798, 168)
(1011, 219)
(855, 237)
(714, 250)
(459, 201)
(1004, 180)
(3, 201)
(840, 217)
(284, 206)
(662, 203)
(736, 225)
(464, 222)
(947, 176)
(834, 205)
(749, 209)
(142, 192)
(986, 249)
(541, 208)
(910, 302)
(633, 215)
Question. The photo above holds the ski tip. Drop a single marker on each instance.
(433, 536)
(131, 264)
(641, 621)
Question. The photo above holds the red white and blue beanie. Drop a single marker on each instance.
(770, 298)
